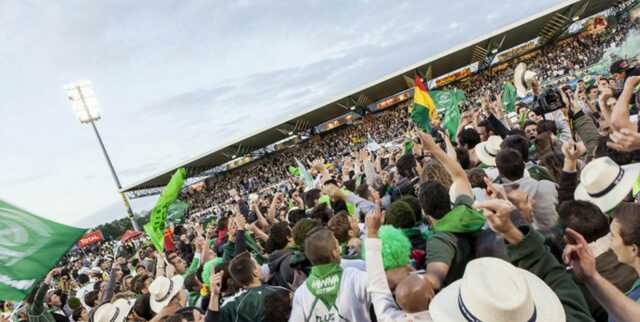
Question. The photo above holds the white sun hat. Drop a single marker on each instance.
(162, 290)
(604, 183)
(487, 151)
(521, 79)
(113, 312)
(494, 290)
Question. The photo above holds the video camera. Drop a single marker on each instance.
(549, 100)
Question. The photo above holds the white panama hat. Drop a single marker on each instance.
(494, 290)
(162, 290)
(113, 312)
(604, 183)
(521, 79)
(488, 150)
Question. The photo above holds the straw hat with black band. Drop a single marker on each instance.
(492, 289)
(162, 290)
(488, 150)
(604, 183)
(112, 312)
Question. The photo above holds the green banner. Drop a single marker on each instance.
(447, 102)
(176, 211)
(155, 227)
(30, 246)
(509, 97)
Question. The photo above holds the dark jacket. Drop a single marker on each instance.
(567, 186)
(280, 267)
(38, 312)
(532, 255)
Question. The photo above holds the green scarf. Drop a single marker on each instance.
(253, 247)
(415, 231)
(324, 283)
(461, 219)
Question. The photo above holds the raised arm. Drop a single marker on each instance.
(620, 113)
(617, 304)
(461, 184)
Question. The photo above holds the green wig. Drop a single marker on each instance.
(396, 248)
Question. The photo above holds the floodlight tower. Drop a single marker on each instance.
(85, 105)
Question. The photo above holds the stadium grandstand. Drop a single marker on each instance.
(452, 67)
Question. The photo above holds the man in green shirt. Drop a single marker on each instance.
(248, 304)
(450, 247)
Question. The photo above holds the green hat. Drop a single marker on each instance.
(400, 215)
(208, 268)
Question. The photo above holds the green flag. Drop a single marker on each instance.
(509, 97)
(420, 115)
(29, 247)
(407, 146)
(176, 211)
(294, 171)
(447, 102)
(305, 175)
(155, 227)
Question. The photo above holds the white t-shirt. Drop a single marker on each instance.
(352, 301)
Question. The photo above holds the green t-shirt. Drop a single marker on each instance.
(247, 305)
(453, 249)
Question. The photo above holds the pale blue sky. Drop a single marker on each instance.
(178, 78)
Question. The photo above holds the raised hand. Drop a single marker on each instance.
(572, 150)
(427, 141)
(494, 191)
(577, 255)
(373, 221)
(215, 280)
(625, 139)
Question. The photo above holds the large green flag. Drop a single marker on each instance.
(509, 97)
(29, 247)
(155, 227)
(447, 102)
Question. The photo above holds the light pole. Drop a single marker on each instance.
(85, 105)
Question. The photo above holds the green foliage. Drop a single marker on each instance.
(115, 229)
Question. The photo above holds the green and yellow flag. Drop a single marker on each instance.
(155, 227)
(423, 110)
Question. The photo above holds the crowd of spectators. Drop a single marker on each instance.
(532, 220)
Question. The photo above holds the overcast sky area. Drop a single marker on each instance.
(178, 78)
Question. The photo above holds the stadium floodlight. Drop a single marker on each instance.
(83, 101)
(353, 108)
(85, 105)
(494, 51)
(576, 18)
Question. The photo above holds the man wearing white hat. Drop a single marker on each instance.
(113, 312)
(533, 287)
(164, 290)
(606, 184)
(486, 152)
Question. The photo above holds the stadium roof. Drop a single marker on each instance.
(547, 24)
